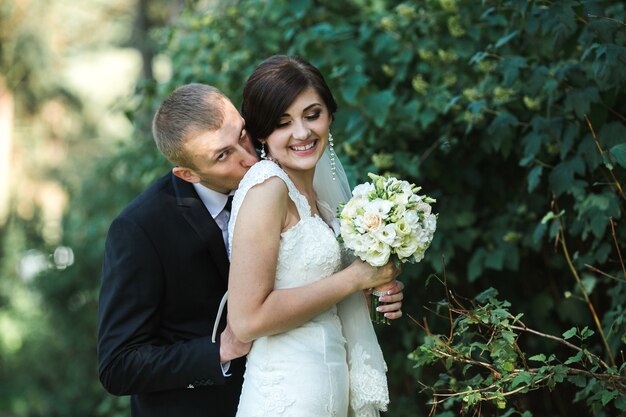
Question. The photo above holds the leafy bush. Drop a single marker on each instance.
(512, 113)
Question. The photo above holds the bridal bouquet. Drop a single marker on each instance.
(384, 220)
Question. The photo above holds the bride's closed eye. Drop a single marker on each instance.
(314, 116)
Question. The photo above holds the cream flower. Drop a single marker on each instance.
(371, 221)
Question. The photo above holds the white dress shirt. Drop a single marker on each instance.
(215, 202)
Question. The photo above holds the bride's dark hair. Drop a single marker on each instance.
(273, 87)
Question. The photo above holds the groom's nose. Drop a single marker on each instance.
(248, 155)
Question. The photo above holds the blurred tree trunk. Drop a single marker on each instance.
(144, 44)
(6, 130)
(151, 14)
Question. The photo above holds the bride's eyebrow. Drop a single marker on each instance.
(307, 108)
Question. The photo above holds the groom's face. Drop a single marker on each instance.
(220, 157)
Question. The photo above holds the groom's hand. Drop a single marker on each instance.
(391, 303)
(231, 347)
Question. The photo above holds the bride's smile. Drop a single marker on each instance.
(305, 149)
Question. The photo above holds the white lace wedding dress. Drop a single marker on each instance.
(303, 372)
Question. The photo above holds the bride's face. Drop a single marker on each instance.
(301, 135)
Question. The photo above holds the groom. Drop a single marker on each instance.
(166, 269)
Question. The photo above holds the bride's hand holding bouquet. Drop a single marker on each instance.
(387, 220)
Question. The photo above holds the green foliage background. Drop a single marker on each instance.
(503, 110)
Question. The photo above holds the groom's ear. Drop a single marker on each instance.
(185, 174)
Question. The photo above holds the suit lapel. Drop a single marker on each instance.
(197, 215)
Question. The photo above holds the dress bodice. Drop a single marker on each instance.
(309, 250)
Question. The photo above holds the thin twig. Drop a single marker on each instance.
(445, 286)
(560, 340)
(593, 16)
(615, 183)
(481, 390)
(615, 113)
(463, 359)
(594, 269)
(543, 164)
(619, 252)
(584, 292)
(417, 323)
(616, 381)
(428, 151)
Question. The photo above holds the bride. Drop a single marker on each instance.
(315, 352)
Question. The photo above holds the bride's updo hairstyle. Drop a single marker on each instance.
(273, 87)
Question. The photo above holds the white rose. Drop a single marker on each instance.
(386, 234)
(430, 223)
(348, 234)
(350, 210)
(418, 256)
(422, 237)
(415, 198)
(407, 248)
(399, 210)
(362, 244)
(402, 227)
(424, 208)
(412, 218)
(406, 188)
(363, 190)
(390, 184)
(400, 198)
(378, 206)
(378, 254)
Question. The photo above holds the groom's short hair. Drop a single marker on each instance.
(190, 110)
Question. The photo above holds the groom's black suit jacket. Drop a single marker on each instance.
(165, 270)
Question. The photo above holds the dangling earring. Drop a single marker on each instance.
(331, 150)
(266, 156)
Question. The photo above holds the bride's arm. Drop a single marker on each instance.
(255, 308)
